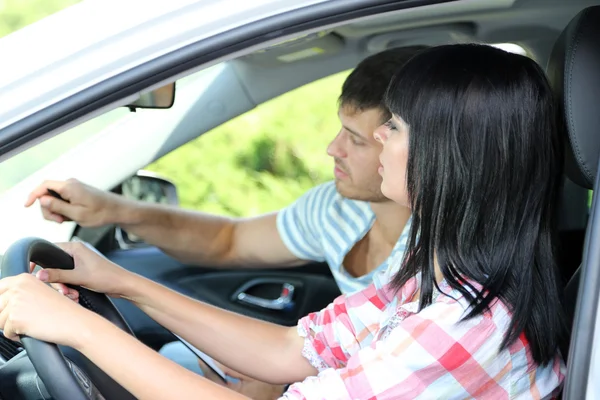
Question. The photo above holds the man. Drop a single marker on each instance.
(348, 223)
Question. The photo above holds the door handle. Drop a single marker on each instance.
(283, 302)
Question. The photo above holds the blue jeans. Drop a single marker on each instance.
(176, 351)
(179, 353)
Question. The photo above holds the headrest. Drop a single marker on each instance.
(574, 73)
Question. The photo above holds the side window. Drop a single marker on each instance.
(262, 160)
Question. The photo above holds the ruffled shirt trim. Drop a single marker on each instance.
(309, 352)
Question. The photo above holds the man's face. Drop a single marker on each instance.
(356, 154)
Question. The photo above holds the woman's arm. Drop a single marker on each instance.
(142, 371)
(264, 351)
(261, 350)
(29, 307)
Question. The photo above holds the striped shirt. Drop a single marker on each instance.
(322, 226)
(376, 344)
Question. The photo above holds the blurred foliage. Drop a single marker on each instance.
(15, 14)
(262, 160)
(258, 162)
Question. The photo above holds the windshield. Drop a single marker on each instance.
(17, 168)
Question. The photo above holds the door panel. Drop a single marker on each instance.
(312, 287)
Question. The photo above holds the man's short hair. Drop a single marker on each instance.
(365, 86)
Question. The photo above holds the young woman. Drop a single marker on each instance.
(472, 310)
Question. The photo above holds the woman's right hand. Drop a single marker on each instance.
(92, 271)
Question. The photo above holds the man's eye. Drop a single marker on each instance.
(390, 125)
(356, 142)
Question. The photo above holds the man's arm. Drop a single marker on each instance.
(189, 236)
(197, 237)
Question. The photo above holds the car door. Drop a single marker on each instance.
(278, 295)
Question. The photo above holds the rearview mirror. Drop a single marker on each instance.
(163, 97)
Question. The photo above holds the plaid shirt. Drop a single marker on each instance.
(373, 344)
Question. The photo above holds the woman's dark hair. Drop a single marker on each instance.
(483, 178)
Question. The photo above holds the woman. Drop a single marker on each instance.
(473, 149)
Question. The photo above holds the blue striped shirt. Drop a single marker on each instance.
(324, 226)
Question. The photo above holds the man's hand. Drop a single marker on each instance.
(88, 206)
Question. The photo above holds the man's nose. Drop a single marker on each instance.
(336, 147)
(380, 134)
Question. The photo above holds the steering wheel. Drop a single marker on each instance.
(47, 359)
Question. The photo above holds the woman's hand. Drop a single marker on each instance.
(92, 271)
(29, 307)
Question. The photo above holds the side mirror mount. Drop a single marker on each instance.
(149, 187)
(161, 98)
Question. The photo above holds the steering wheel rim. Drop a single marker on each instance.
(47, 358)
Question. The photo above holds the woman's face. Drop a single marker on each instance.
(393, 135)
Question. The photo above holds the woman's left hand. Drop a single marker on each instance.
(30, 307)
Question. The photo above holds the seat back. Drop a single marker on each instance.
(574, 73)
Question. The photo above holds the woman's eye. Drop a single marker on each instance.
(390, 125)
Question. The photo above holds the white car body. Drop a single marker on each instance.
(97, 40)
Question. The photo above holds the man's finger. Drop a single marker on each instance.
(50, 216)
(56, 206)
(41, 190)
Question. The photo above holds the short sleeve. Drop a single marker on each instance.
(299, 224)
(433, 355)
(427, 355)
(351, 322)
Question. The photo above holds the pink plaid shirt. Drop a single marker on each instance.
(374, 345)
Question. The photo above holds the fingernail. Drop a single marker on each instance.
(42, 275)
(45, 202)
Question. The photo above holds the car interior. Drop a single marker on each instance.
(562, 36)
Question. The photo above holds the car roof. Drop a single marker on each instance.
(97, 39)
(58, 67)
